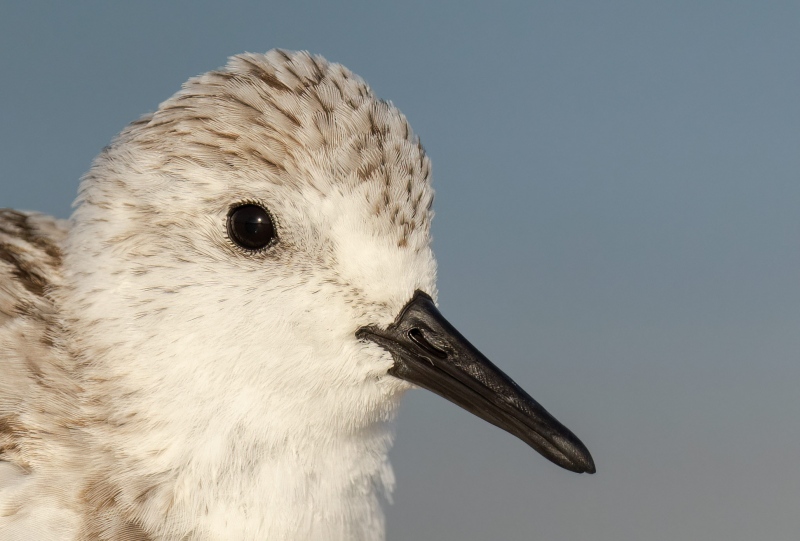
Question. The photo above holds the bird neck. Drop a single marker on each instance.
(194, 461)
(327, 487)
(268, 480)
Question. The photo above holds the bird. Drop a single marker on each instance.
(215, 344)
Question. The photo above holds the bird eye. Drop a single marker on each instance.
(250, 226)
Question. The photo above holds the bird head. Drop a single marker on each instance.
(264, 238)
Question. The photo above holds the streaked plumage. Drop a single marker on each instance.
(159, 382)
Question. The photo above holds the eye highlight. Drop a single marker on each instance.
(250, 226)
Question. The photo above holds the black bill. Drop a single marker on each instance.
(431, 353)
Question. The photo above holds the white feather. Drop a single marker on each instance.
(168, 385)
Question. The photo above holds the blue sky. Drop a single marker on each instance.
(617, 227)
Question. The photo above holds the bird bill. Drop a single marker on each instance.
(429, 352)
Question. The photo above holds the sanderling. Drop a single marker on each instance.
(214, 346)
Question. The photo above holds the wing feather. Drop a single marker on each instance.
(34, 387)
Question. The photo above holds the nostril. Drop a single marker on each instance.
(416, 335)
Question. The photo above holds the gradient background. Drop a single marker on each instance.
(618, 226)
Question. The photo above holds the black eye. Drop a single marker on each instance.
(251, 227)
